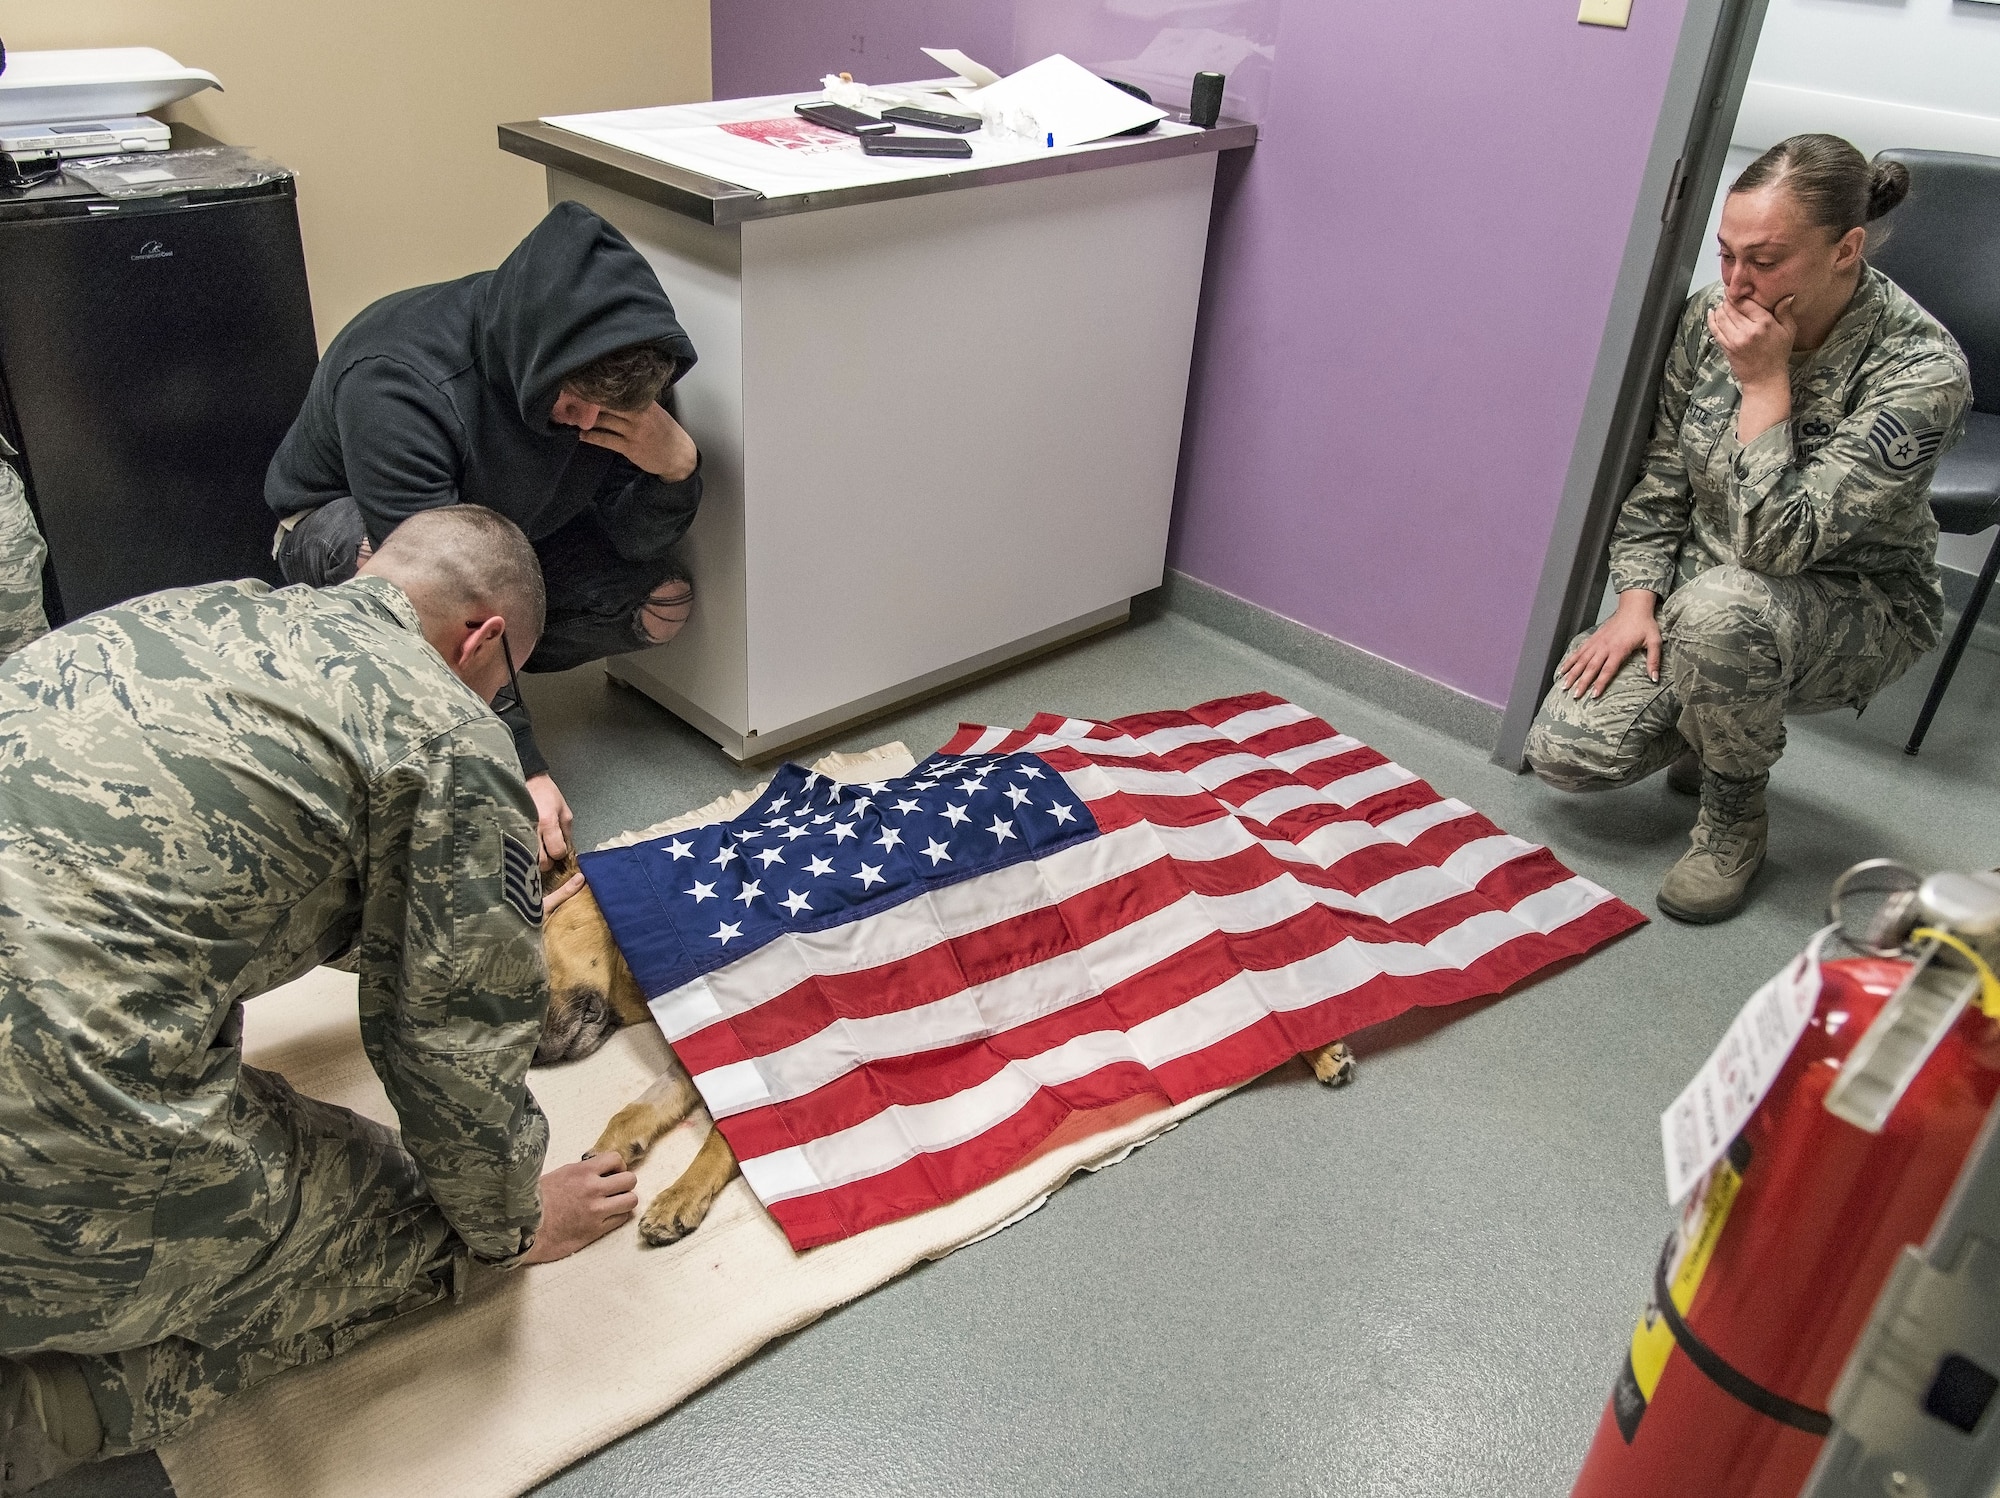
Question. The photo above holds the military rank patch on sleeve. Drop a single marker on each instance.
(521, 879)
(1900, 448)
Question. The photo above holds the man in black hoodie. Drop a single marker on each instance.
(535, 390)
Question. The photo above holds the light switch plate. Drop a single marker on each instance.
(1605, 13)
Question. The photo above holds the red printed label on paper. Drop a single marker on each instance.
(789, 134)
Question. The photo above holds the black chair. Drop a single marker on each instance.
(1943, 248)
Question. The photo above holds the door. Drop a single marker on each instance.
(1718, 38)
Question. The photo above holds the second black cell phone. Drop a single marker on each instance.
(840, 117)
(916, 145)
(930, 119)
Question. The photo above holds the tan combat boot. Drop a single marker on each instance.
(48, 1422)
(1712, 879)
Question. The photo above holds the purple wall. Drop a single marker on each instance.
(1407, 283)
(1406, 288)
(782, 46)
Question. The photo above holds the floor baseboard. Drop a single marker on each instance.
(1382, 682)
(1394, 687)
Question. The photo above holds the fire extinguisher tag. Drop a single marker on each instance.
(1712, 1109)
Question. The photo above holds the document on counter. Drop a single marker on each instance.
(763, 145)
(1072, 105)
(975, 73)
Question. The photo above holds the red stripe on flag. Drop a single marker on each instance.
(1167, 985)
(1019, 942)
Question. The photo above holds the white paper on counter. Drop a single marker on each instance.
(764, 145)
(976, 74)
(1068, 101)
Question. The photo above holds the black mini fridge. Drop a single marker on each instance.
(153, 352)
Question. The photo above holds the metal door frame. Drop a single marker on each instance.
(1683, 169)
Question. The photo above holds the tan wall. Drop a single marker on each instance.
(386, 108)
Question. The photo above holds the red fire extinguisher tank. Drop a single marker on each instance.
(1779, 1258)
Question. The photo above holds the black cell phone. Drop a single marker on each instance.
(930, 119)
(916, 145)
(840, 117)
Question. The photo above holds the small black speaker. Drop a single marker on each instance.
(1205, 103)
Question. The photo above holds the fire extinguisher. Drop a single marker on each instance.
(1781, 1250)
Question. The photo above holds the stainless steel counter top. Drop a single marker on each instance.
(715, 202)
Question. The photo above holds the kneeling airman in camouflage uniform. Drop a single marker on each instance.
(1782, 514)
(202, 794)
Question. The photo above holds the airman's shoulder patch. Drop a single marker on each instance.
(521, 879)
(1899, 446)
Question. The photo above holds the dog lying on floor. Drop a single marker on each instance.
(592, 992)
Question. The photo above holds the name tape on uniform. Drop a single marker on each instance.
(1712, 1109)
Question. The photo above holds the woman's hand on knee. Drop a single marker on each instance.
(1589, 669)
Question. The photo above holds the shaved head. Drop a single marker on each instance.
(464, 562)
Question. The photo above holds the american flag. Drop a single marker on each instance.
(889, 994)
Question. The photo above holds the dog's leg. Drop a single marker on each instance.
(644, 1121)
(1332, 1063)
(678, 1210)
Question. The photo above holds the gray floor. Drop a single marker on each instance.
(1420, 1285)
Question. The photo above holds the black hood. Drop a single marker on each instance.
(573, 290)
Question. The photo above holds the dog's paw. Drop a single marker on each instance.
(675, 1212)
(632, 1131)
(1333, 1064)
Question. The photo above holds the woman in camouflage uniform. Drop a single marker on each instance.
(1781, 517)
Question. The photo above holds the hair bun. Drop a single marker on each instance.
(1888, 185)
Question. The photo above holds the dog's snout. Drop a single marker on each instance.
(578, 1021)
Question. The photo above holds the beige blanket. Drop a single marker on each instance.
(537, 1367)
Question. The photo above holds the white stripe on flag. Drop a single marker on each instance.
(1348, 790)
(1475, 860)
(903, 1131)
(1166, 740)
(1406, 827)
(981, 1011)
(1291, 761)
(1248, 725)
(1213, 773)
(958, 910)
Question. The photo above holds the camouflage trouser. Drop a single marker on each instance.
(365, 1245)
(21, 553)
(1739, 650)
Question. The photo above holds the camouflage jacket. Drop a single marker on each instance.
(202, 794)
(1842, 488)
(21, 553)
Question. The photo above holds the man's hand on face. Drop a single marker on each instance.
(649, 438)
(552, 822)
